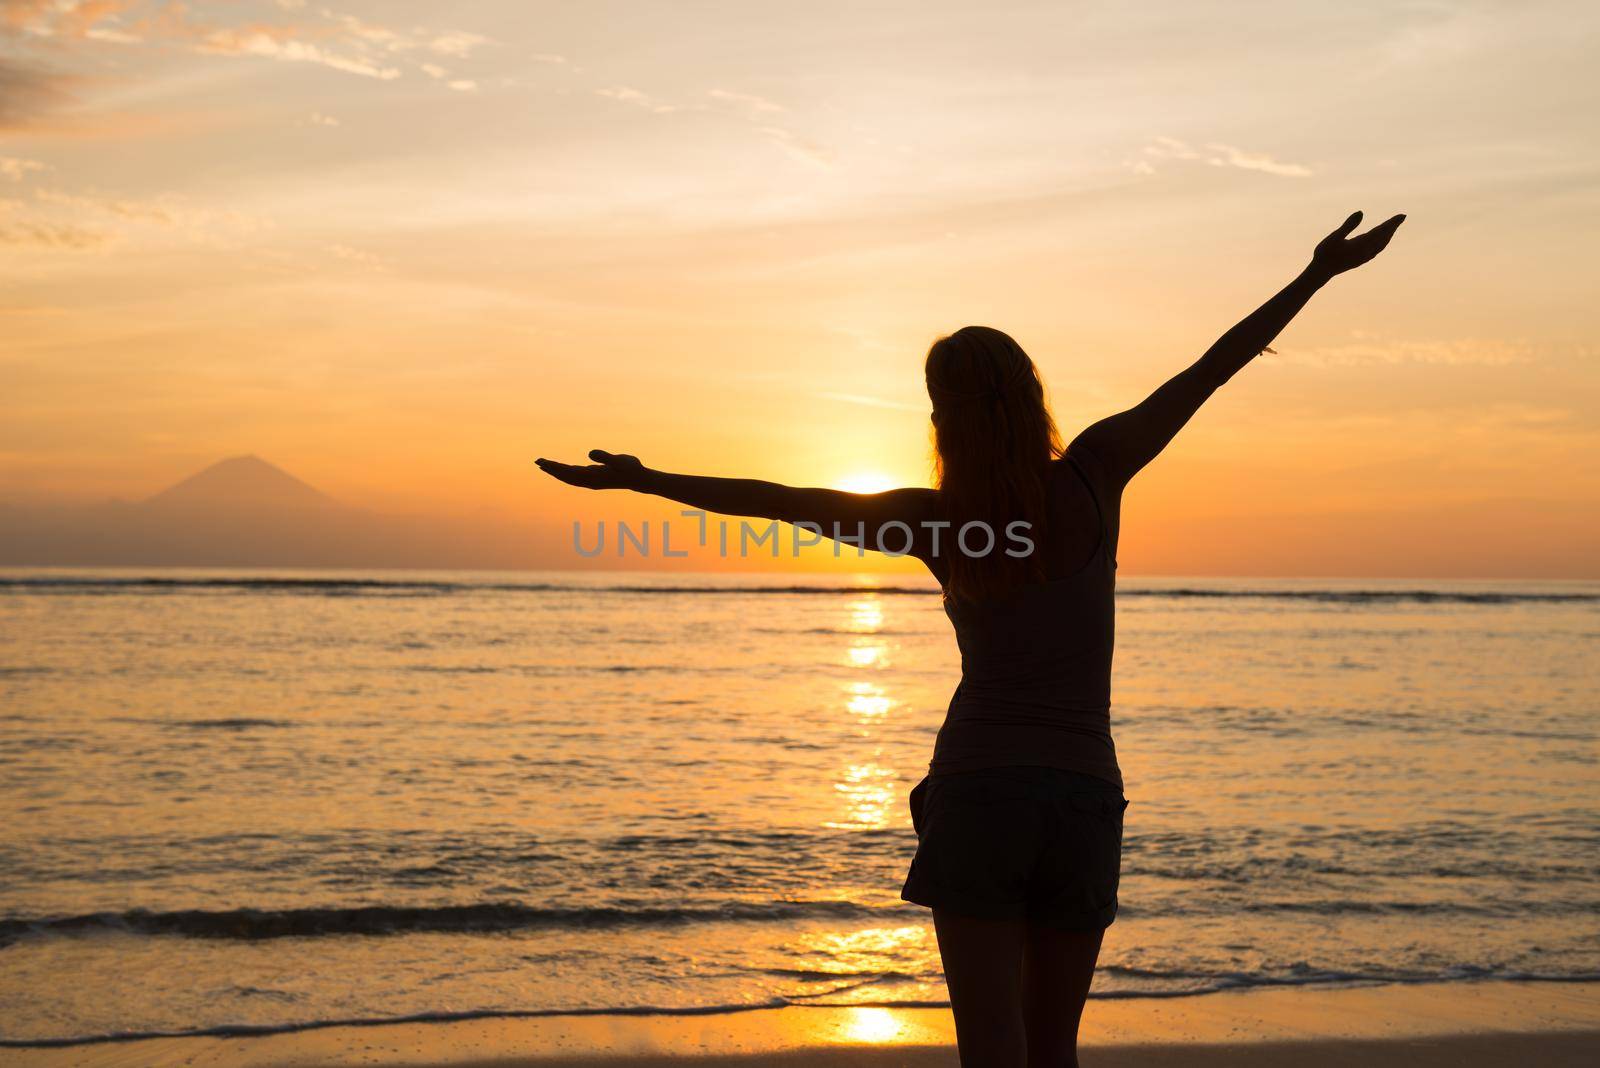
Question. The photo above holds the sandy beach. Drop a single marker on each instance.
(1459, 1024)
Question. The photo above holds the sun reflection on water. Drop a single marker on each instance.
(870, 791)
(867, 701)
(869, 788)
(879, 948)
(871, 1024)
(865, 619)
(866, 615)
(867, 652)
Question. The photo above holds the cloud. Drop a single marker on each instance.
(313, 36)
(27, 92)
(361, 257)
(801, 148)
(463, 85)
(52, 235)
(1216, 154)
(1228, 155)
(549, 57)
(748, 102)
(1170, 148)
(45, 233)
(754, 110)
(1373, 352)
(317, 118)
(136, 210)
(458, 44)
(60, 18)
(23, 15)
(16, 169)
(272, 43)
(79, 221)
(628, 95)
(872, 402)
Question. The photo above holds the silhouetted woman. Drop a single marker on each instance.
(1019, 821)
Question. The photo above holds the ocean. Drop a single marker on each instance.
(256, 800)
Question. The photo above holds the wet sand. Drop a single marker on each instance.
(1454, 1024)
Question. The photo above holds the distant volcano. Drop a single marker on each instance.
(246, 512)
(241, 481)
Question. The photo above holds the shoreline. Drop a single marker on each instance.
(668, 1013)
(1452, 1023)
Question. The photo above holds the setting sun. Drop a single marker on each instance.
(866, 482)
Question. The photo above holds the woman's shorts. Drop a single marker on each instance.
(1036, 844)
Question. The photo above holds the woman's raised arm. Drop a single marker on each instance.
(1125, 442)
(856, 516)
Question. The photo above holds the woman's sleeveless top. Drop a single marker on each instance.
(1036, 673)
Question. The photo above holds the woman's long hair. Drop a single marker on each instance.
(993, 442)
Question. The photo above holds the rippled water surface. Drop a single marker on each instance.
(264, 800)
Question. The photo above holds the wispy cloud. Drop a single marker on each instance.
(88, 219)
(60, 18)
(17, 169)
(27, 92)
(755, 111)
(273, 43)
(798, 146)
(872, 402)
(625, 94)
(749, 103)
(457, 44)
(360, 257)
(309, 35)
(1215, 154)
(143, 211)
(20, 224)
(50, 235)
(1370, 352)
(1230, 156)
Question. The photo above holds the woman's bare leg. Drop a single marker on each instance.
(983, 969)
(1057, 968)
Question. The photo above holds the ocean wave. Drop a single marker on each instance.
(1413, 596)
(251, 925)
(1228, 981)
(255, 925)
(380, 587)
(241, 584)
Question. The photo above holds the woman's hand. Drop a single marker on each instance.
(609, 471)
(1339, 252)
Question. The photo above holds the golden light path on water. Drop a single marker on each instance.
(869, 788)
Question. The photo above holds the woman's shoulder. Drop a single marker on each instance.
(1090, 469)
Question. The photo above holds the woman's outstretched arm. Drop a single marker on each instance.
(833, 512)
(1125, 442)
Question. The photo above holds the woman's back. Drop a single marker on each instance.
(1036, 662)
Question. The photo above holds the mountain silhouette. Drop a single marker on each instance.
(241, 481)
(246, 512)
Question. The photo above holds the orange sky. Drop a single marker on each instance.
(400, 249)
